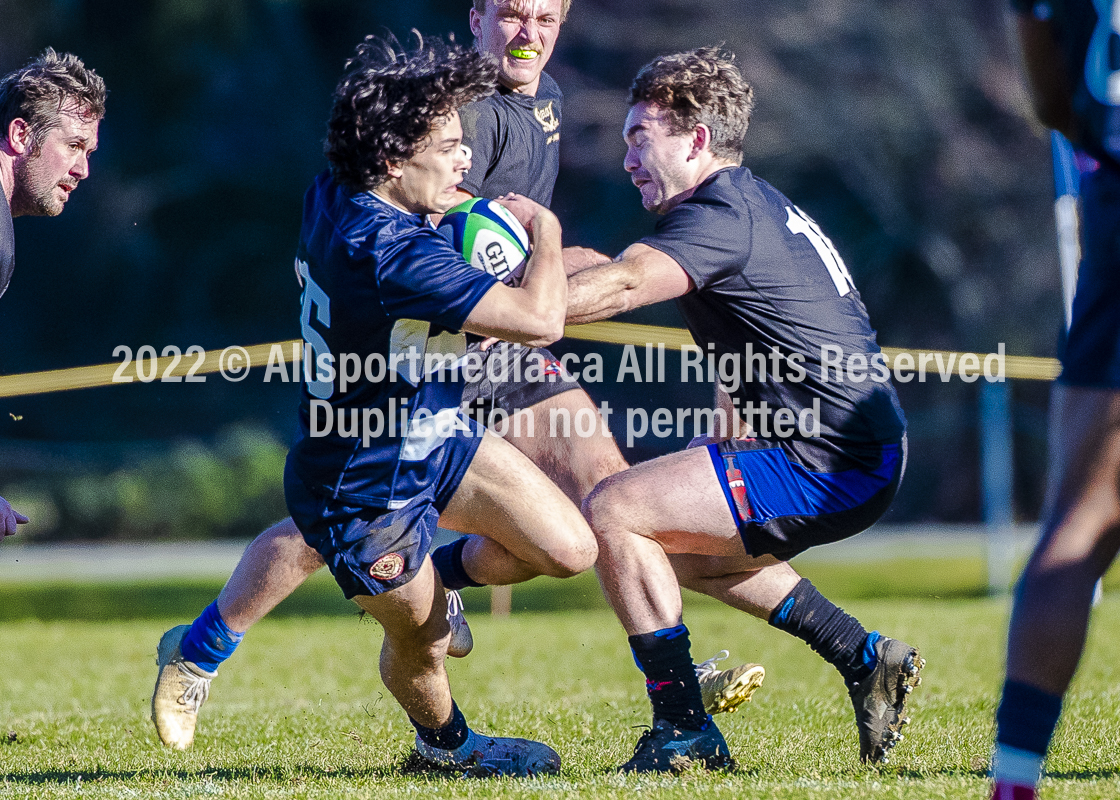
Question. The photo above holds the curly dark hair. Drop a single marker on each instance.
(700, 87)
(50, 85)
(389, 100)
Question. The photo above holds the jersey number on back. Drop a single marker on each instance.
(800, 222)
(1104, 81)
(313, 295)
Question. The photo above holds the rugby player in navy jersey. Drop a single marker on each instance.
(803, 460)
(50, 110)
(513, 139)
(1068, 49)
(379, 282)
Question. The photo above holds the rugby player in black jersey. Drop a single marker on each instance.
(806, 454)
(49, 114)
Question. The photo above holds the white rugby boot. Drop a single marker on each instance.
(462, 642)
(181, 689)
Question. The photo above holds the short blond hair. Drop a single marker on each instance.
(565, 6)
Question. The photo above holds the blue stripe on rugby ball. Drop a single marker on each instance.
(488, 236)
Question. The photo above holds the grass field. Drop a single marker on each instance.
(300, 711)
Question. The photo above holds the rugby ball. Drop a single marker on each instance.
(489, 237)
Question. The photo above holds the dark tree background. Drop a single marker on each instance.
(903, 128)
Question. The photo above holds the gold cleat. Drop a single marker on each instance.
(726, 690)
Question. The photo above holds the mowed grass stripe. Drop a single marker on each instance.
(918, 578)
(301, 712)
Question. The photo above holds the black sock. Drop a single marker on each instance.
(448, 561)
(450, 736)
(666, 659)
(1026, 717)
(835, 635)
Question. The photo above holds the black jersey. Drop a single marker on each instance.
(767, 278)
(7, 245)
(1087, 40)
(515, 142)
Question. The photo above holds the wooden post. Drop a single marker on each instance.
(501, 600)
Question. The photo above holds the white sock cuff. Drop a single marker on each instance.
(1013, 765)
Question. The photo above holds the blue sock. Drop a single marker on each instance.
(448, 561)
(209, 642)
(868, 654)
(1026, 717)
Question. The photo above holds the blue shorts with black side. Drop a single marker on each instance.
(1091, 356)
(783, 502)
(370, 548)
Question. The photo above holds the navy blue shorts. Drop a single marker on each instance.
(1091, 355)
(783, 508)
(372, 550)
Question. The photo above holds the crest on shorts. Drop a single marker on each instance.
(738, 492)
(387, 567)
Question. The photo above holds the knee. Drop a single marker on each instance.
(604, 509)
(285, 544)
(1070, 553)
(578, 553)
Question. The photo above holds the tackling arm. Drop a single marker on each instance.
(577, 259)
(639, 276)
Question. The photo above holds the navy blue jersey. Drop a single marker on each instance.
(7, 245)
(515, 142)
(1089, 45)
(766, 277)
(380, 289)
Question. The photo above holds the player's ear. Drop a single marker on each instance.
(701, 140)
(476, 22)
(18, 136)
(393, 169)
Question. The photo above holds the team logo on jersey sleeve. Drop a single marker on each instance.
(387, 567)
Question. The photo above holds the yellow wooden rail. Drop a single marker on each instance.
(235, 359)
